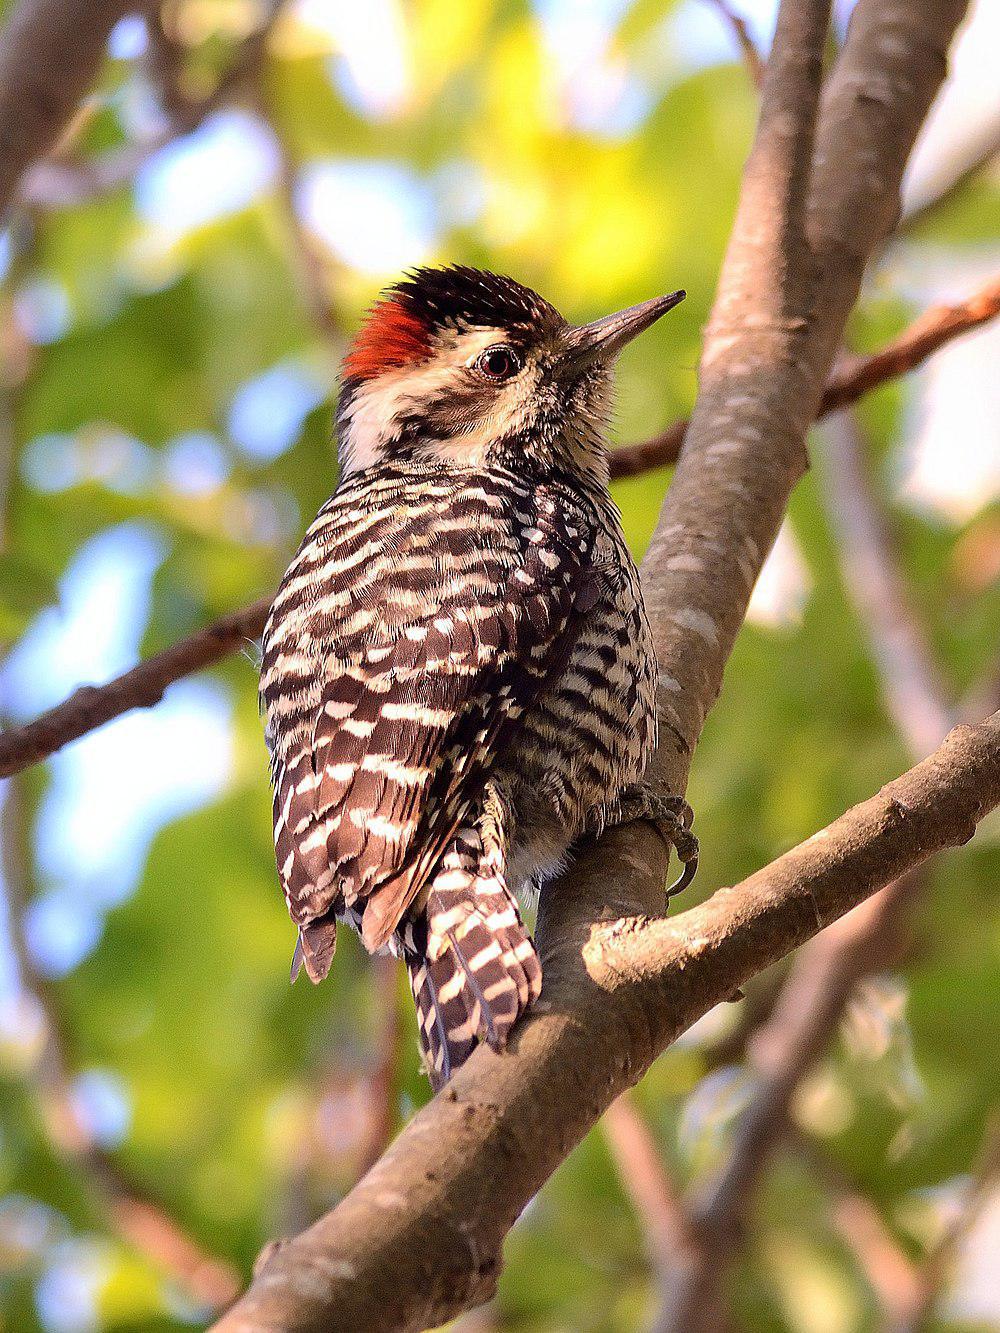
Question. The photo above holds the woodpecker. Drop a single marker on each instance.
(458, 675)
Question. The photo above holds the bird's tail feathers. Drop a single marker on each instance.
(315, 947)
(472, 965)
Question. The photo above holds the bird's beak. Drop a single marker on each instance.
(602, 340)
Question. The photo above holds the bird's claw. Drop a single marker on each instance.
(672, 818)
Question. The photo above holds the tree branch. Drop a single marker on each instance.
(60, 184)
(889, 1270)
(850, 380)
(418, 1239)
(143, 686)
(823, 977)
(744, 448)
(50, 54)
(772, 339)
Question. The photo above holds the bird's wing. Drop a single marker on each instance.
(414, 709)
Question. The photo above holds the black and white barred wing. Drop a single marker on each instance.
(412, 708)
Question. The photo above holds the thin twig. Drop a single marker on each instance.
(752, 58)
(143, 686)
(307, 262)
(921, 210)
(850, 380)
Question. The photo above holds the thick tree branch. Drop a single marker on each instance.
(822, 979)
(50, 53)
(851, 379)
(772, 339)
(419, 1238)
(893, 61)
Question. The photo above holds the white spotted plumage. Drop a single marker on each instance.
(457, 669)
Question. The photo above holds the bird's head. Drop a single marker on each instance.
(470, 369)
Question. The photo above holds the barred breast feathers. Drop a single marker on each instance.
(422, 616)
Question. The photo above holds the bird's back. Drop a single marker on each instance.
(421, 621)
(457, 673)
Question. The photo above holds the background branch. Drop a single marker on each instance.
(64, 182)
(933, 1273)
(889, 1270)
(824, 976)
(50, 53)
(851, 379)
(911, 685)
(658, 1206)
(143, 686)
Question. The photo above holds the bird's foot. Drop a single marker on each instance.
(670, 815)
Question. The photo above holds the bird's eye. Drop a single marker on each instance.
(499, 363)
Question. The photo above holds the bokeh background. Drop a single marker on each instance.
(178, 285)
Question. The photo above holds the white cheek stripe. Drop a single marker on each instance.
(378, 403)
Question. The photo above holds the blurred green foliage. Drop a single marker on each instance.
(245, 1096)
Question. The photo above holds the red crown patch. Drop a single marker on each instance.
(393, 335)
